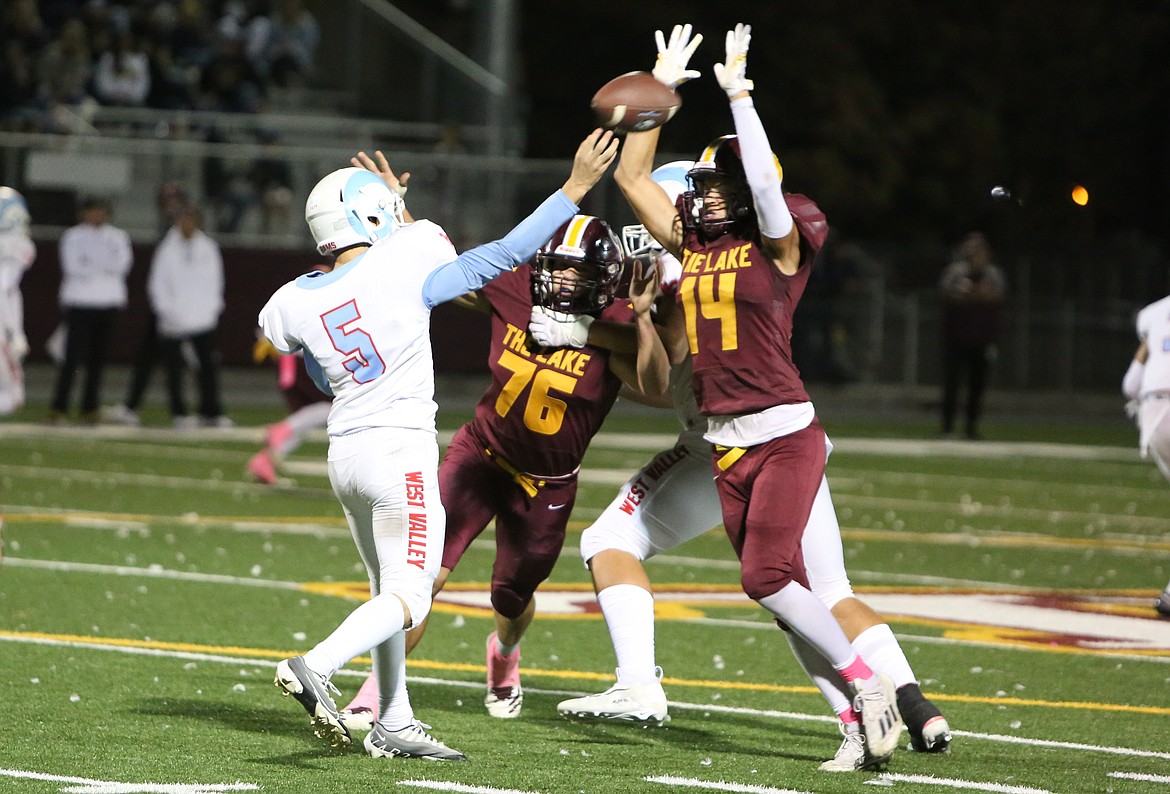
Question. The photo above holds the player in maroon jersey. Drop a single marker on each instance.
(746, 250)
(517, 460)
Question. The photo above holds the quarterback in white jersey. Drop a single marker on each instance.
(1147, 385)
(17, 253)
(365, 334)
(672, 499)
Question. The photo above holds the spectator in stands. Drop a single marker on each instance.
(95, 259)
(18, 90)
(172, 84)
(191, 37)
(229, 84)
(186, 294)
(271, 179)
(64, 71)
(122, 76)
(282, 46)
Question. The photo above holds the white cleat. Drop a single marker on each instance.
(880, 720)
(642, 704)
(851, 755)
(935, 737)
(413, 741)
(504, 703)
(358, 719)
(312, 691)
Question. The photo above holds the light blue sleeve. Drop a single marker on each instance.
(317, 374)
(474, 268)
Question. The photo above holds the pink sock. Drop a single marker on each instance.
(367, 696)
(856, 670)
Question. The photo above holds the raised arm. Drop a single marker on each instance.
(648, 200)
(472, 269)
(778, 235)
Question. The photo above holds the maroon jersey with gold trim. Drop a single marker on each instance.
(541, 410)
(738, 309)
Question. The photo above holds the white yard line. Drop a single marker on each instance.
(151, 572)
(478, 685)
(1141, 777)
(969, 785)
(718, 785)
(84, 785)
(442, 785)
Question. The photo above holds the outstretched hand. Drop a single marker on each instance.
(732, 73)
(670, 68)
(644, 285)
(594, 156)
(381, 166)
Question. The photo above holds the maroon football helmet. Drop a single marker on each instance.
(720, 164)
(588, 246)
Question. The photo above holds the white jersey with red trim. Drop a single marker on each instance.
(367, 325)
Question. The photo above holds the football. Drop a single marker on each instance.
(634, 102)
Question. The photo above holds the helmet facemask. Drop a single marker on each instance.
(578, 270)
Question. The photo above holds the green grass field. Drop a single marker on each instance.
(148, 589)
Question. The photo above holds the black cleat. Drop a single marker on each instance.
(929, 731)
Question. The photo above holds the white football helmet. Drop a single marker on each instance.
(14, 215)
(672, 177)
(352, 206)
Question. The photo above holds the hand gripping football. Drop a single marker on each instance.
(634, 102)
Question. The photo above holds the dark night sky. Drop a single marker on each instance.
(899, 116)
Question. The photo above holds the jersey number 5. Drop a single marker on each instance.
(362, 358)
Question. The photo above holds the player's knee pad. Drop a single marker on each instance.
(509, 602)
(761, 582)
(418, 602)
(603, 536)
(833, 593)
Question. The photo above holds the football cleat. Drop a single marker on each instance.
(504, 697)
(357, 719)
(313, 692)
(929, 731)
(851, 755)
(1163, 603)
(642, 704)
(880, 721)
(263, 468)
(413, 741)
(120, 415)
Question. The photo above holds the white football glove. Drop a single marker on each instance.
(731, 74)
(557, 329)
(671, 67)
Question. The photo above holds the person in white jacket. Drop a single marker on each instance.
(185, 288)
(17, 253)
(95, 259)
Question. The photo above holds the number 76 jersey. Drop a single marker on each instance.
(368, 327)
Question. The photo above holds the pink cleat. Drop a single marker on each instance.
(504, 695)
(263, 468)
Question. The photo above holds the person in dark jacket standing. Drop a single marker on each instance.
(973, 294)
